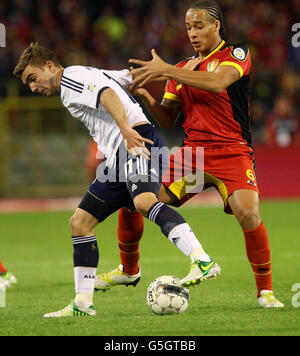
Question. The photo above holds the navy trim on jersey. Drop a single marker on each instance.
(99, 95)
(126, 91)
(67, 86)
(71, 85)
(73, 82)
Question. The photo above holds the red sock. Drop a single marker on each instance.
(2, 268)
(130, 231)
(259, 255)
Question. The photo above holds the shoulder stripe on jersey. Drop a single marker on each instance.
(67, 86)
(99, 95)
(71, 84)
(236, 65)
(73, 81)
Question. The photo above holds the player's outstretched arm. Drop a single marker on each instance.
(158, 70)
(165, 114)
(133, 141)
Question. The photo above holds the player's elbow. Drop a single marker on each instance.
(217, 88)
(218, 83)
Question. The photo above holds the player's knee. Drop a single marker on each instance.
(144, 202)
(79, 226)
(74, 225)
(249, 218)
(142, 208)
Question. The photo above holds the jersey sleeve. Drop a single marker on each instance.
(121, 76)
(84, 88)
(238, 57)
(93, 90)
(171, 92)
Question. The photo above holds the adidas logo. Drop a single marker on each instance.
(133, 188)
(89, 276)
(175, 240)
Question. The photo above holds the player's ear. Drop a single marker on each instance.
(217, 26)
(50, 66)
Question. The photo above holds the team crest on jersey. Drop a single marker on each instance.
(213, 65)
(239, 54)
(91, 88)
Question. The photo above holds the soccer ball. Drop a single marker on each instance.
(166, 296)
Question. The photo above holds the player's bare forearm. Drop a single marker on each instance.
(157, 70)
(133, 141)
(215, 82)
(110, 100)
(162, 115)
(200, 80)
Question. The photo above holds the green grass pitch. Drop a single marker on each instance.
(37, 248)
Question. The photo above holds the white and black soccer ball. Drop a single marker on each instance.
(166, 296)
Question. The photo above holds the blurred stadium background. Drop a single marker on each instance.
(44, 152)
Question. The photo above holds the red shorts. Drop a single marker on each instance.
(194, 169)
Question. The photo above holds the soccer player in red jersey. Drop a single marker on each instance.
(212, 91)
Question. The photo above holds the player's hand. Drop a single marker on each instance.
(150, 71)
(135, 90)
(192, 64)
(134, 143)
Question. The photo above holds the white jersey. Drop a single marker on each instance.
(81, 88)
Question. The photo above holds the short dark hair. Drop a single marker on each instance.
(214, 11)
(34, 55)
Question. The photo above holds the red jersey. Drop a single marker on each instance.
(210, 119)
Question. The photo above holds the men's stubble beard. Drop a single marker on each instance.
(55, 85)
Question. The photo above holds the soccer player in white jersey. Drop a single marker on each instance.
(126, 179)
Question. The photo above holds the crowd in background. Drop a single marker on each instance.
(106, 33)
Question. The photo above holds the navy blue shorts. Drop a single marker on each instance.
(132, 176)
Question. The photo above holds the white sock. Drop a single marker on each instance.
(200, 254)
(84, 283)
(183, 237)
